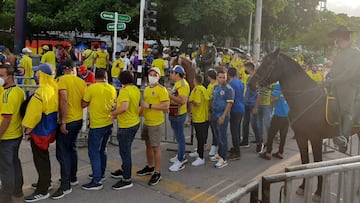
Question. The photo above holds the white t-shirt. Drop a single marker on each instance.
(126, 63)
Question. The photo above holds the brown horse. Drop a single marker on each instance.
(188, 68)
(306, 100)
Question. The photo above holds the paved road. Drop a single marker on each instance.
(193, 184)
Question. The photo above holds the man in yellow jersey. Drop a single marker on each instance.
(48, 56)
(212, 79)
(199, 100)
(101, 58)
(263, 110)
(26, 64)
(127, 113)
(156, 101)
(117, 67)
(100, 99)
(88, 58)
(10, 135)
(177, 114)
(40, 122)
(160, 63)
(71, 91)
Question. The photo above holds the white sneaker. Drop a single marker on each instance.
(198, 162)
(213, 150)
(214, 158)
(221, 163)
(177, 166)
(194, 154)
(175, 158)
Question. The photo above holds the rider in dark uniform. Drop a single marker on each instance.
(206, 58)
(345, 83)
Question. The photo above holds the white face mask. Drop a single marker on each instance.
(153, 80)
(2, 81)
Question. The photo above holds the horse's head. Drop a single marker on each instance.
(266, 73)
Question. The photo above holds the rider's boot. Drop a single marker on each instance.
(345, 133)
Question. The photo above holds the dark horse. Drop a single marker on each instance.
(188, 68)
(306, 100)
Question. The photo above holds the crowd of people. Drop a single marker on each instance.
(54, 112)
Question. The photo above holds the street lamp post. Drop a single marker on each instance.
(257, 32)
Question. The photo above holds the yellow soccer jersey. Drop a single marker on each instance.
(130, 117)
(154, 95)
(101, 59)
(317, 77)
(11, 100)
(199, 95)
(101, 97)
(182, 88)
(75, 88)
(117, 67)
(49, 57)
(161, 64)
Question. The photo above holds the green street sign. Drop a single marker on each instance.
(111, 16)
(119, 26)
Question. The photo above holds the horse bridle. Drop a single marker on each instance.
(263, 79)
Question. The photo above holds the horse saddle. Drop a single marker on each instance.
(332, 114)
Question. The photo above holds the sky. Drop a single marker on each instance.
(350, 7)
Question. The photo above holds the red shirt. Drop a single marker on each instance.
(89, 77)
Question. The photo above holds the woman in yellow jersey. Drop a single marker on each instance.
(199, 104)
(156, 101)
(128, 120)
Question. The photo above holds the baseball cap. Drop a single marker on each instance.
(157, 70)
(45, 68)
(82, 69)
(26, 50)
(178, 69)
(2, 48)
(45, 47)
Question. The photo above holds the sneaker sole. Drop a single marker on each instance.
(93, 188)
(74, 183)
(117, 177)
(38, 199)
(155, 183)
(63, 195)
(124, 187)
(198, 164)
(222, 166)
(145, 174)
(181, 168)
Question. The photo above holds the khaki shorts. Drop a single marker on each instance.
(153, 134)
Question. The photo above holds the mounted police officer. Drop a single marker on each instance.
(344, 82)
(207, 56)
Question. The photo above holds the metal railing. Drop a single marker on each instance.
(252, 187)
(347, 168)
(353, 146)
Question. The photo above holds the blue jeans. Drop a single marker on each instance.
(215, 141)
(97, 141)
(116, 83)
(264, 117)
(221, 131)
(177, 124)
(66, 153)
(10, 168)
(125, 138)
(249, 117)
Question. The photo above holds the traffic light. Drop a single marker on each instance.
(150, 16)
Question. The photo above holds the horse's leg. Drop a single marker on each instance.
(316, 145)
(302, 143)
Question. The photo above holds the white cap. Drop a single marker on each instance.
(166, 55)
(26, 50)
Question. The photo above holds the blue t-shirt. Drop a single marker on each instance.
(250, 96)
(221, 96)
(238, 87)
(281, 108)
(149, 60)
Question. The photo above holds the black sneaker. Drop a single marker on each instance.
(155, 178)
(122, 185)
(34, 186)
(244, 145)
(146, 171)
(118, 174)
(34, 197)
(60, 193)
(92, 186)
(234, 156)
